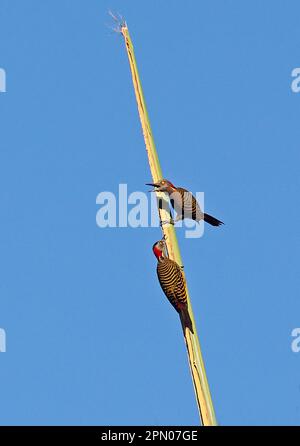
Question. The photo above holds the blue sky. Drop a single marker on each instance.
(91, 338)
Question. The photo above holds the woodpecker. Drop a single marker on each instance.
(184, 203)
(172, 283)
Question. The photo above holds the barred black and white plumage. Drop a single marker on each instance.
(172, 282)
(184, 203)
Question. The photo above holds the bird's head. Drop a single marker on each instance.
(159, 249)
(162, 186)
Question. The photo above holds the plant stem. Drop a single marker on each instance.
(196, 363)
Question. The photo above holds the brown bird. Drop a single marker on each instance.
(172, 282)
(184, 203)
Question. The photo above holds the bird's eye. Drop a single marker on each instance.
(163, 182)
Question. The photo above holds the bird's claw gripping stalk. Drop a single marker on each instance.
(167, 222)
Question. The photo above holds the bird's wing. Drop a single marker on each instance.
(172, 282)
(169, 276)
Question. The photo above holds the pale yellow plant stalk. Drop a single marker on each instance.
(196, 363)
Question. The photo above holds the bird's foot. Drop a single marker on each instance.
(167, 222)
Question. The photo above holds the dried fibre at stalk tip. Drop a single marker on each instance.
(119, 21)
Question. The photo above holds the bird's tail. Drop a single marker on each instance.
(186, 319)
(212, 220)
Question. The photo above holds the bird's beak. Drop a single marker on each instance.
(155, 185)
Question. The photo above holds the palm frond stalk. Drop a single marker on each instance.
(196, 363)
